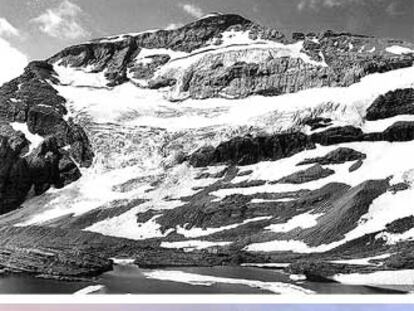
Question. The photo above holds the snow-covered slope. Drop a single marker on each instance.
(238, 98)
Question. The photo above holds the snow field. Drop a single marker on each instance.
(383, 160)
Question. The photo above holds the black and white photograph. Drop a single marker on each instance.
(207, 147)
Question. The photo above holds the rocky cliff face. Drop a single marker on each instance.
(31, 108)
(221, 142)
(231, 57)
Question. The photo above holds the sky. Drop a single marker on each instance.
(37, 29)
(208, 308)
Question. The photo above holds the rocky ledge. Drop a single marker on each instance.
(248, 150)
(73, 254)
(392, 104)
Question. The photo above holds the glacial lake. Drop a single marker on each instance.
(130, 279)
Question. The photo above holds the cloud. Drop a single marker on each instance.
(329, 4)
(7, 29)
(193, 10)
(316, 4)
(388, 7)
(12, 61)
(62, 21)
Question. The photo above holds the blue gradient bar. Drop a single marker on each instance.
(230, 307)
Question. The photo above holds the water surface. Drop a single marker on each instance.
(130, 279)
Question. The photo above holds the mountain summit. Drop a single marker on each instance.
(222, 142)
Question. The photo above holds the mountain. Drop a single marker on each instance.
(222, 142)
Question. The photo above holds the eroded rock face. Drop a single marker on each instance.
(392, 104)
(269, 77)
(275, 76)
(313, 173)
(338, 135)
(399, 131)
(46, 166)
(15, 179)
(345, 212)
(249, 150)
(115, 56)
(327, 59)
(31, 102)
(338, 156)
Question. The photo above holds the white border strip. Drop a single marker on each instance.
(207, 299)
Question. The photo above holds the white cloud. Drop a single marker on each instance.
(7, 29)
(62, 21)
(193, 10)
(317, 4)
(12, 61)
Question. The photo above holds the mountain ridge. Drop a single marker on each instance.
(220, 142)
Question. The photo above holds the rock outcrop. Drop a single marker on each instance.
(249, 150)
(338, 156)
(313, 173)
(392, 104)
(219, 70)
(30, 102)
(115, 55)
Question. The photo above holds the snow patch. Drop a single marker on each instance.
(193, 244)
(90, 290)
(205, 280)
(396, 49)
(362, 261)
(181, 183)
(297, 277)
(382, 125)
(400, 277)
(80, 77)
(394, 238)
(35, 139)
(303, 221)
(126, 226)
(281, 246)
(199, 232)
(123, 261)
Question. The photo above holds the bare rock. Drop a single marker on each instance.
(338, 156)
(391, 104)
(313, 173)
